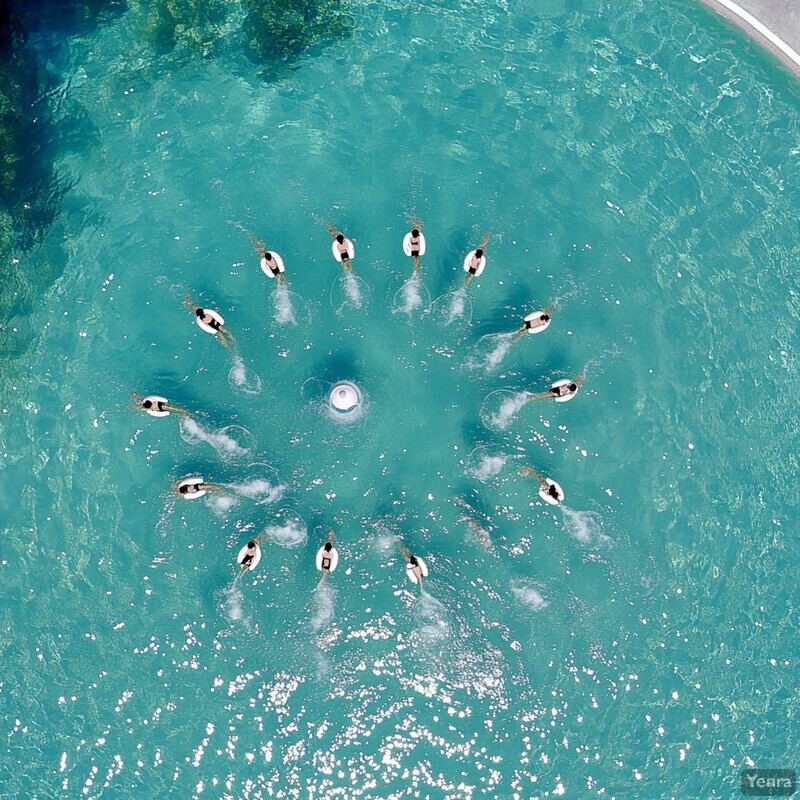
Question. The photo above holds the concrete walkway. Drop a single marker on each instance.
(774, 24)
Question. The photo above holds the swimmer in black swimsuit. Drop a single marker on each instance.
(341, 247)
(190, 489)
(272, 265)
(225, 336)
(326, 556)
(567, 390)
(475, 263)
(345, 256)
(249, 555)
(549, 488)
(564, 389)
(148, 405)
(207, 319)
(531, 325)
(411, 561)
(414, 242)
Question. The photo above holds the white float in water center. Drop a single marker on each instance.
(215, 316)
(278, 261)
(481, 263)
(407, 244)
(410, 570)
(256, 558)
(351, 250)
(547, 497)
(536, 315)
(196, 480)
(345, 398)
(332, 554)
(154, 411)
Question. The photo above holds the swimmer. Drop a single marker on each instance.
(191, 487)
(327, 557)
(416, 243)
(562, 390)
(342, 246)
(225, 336)
(478, 261)
(157, 405)
(250, 554)
(533, 323)
(269, 261)
(415, 570)
(549, 490)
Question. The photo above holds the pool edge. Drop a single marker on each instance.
(758, 31)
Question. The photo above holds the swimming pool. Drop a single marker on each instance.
(638, 168)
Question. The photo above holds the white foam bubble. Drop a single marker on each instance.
(385, 542)
(220, 440)
(291, 534)
(352, 289)
(509, 409)
(585, 526)
(233, 603)
(412, 295)
(505, 340)
(528, 594)
(489, 466)
(243, 379)
(432, 620)
(324, 605)
(457, 303)
(260, 490)
(220, 503)
(284, 312)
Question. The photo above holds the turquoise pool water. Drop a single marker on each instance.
(639, 167)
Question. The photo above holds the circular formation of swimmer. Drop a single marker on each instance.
(345, 397)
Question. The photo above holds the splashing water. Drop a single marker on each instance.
(243, 379)
(528, 594)
(233, 602)
(349, 292)
(325, 605)
(585, 526)
(452, 306)
(227, 447)
(432, 620)
(385, 542)
(457, 305)
(284, 312)
(489, 467)
(290, 534)
(411, 292)
(260, 490)
(352, 289)
(505, 340)
(220, 503)
(508, 410)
